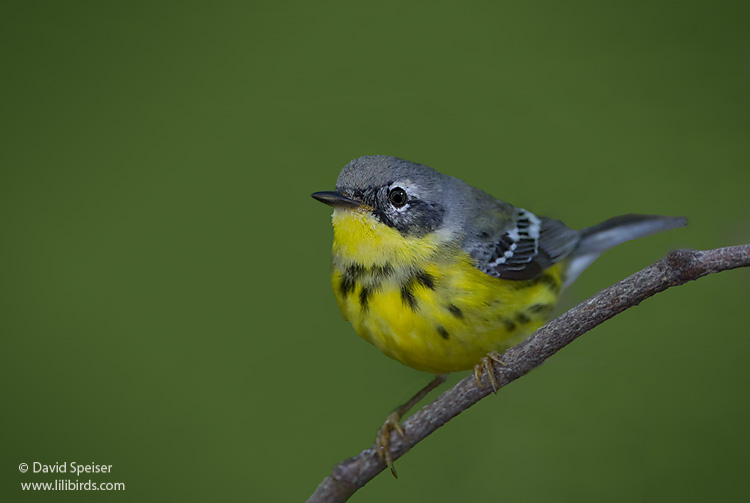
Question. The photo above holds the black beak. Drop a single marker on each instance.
(336, 199)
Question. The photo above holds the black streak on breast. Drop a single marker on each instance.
(456, 311)
(443, 332)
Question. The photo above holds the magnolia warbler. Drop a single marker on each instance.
(438, 274)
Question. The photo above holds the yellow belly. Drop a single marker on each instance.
(422, 302)
(447, 316)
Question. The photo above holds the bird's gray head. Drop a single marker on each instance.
(404, 195)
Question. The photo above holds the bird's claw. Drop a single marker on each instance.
(486, 365)
(383, 439)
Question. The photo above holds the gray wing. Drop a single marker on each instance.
(515, 244)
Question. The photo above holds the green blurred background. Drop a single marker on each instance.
(165, 305)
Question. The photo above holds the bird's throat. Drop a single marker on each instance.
(359, 237)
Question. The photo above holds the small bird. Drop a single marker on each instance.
(443, 277)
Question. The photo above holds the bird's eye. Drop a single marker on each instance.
(397, 197)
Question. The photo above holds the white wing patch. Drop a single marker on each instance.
(519, 245)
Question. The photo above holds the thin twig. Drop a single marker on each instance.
(676, 269)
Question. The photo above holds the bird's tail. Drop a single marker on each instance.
(599, 238)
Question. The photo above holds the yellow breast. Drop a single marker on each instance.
(422, 302)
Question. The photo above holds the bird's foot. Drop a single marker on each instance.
(487, 365)
(383, 439)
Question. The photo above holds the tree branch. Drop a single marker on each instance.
(677, 268)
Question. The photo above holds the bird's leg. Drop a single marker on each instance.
(393, 422)
(486, 365)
